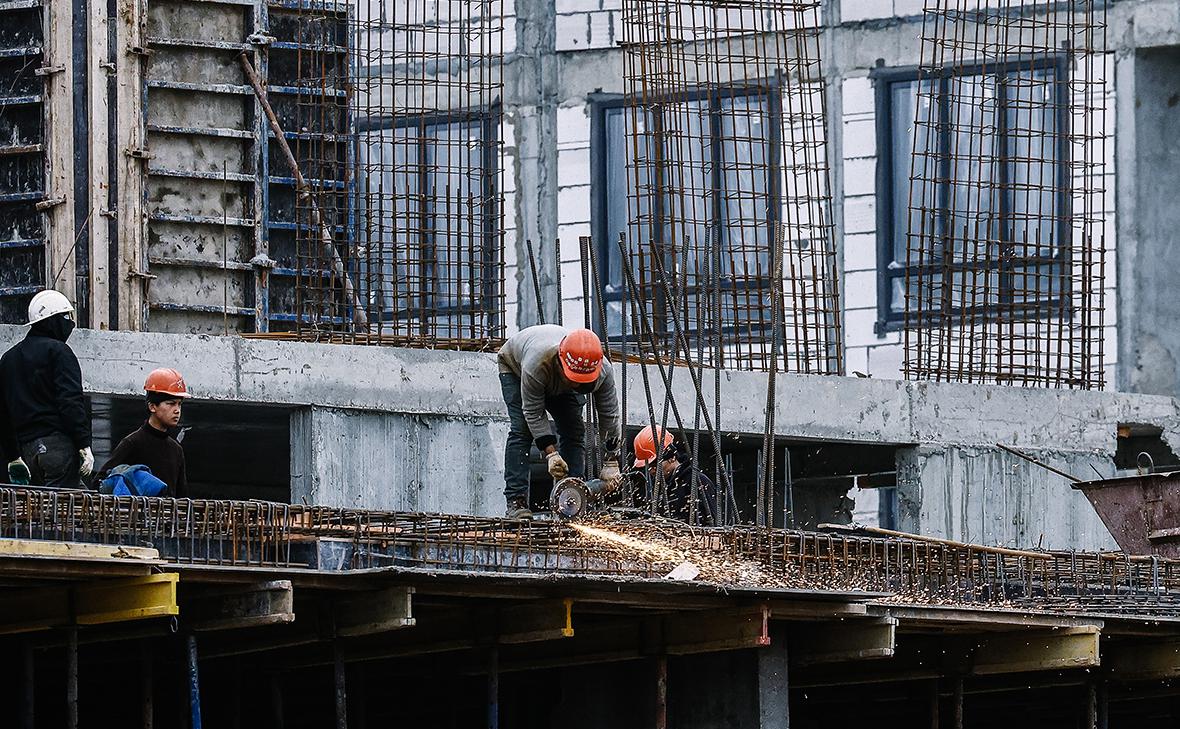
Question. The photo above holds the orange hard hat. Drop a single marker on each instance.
(645, 446)
(580, 353)
(167, 381)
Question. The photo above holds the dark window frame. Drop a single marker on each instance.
(883, 79)
(606, 242)
(488, 119)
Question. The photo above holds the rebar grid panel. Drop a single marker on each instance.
(398, 132)
(240, 533)
(1006, 247)
(928, 572)
(915, 570)
(727, 184)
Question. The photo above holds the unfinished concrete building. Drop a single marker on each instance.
(869, 257)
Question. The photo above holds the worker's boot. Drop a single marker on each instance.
(519, 509)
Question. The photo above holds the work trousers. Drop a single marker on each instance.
(53, 461)
(566, 410)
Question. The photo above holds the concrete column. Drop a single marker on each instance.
(1148, 257)
(773, 684)
(532, 83)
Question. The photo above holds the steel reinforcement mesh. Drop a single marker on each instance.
(915, 570)
(728, 258)
(1004, 266)
(397, 130)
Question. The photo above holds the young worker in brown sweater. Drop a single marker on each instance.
(152, 445)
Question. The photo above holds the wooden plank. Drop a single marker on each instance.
(536, 621)
(376, 612)
(240, 606)
(706, 631)
(130, 20)
(848, 640)
(975, 620)
(1141, 660)
(59, 148)
(98, 50)
(1036, 650)
(73, 550)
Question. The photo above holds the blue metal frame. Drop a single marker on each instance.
(488, 121)
(883, 81)
(607, 243)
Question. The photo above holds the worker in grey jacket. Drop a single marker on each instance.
(548, 368)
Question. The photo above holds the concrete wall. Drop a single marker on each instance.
(1152, 340)
(419, 429)
(397, 461)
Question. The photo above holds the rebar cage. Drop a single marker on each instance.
(397, 130)
(729, 258)
(1005, 256)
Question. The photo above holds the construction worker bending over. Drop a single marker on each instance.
(44, 425)
(676, 471)
(152, 445)
(549, 368)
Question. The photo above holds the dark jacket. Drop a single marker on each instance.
(41, 393)
(679, 489)
(158, 451)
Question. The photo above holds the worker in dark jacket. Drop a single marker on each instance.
(152, 445)
(677, 472)
(549, 369)
(44, 424)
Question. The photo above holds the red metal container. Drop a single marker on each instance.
(1141, 512)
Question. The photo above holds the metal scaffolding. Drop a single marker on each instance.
(1003, 279)
(396, 128)
(729, 258)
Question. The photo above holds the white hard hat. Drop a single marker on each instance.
(48, 303)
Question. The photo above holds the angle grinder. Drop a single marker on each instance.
(573, 497)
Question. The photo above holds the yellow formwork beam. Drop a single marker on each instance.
(91, 603)
(132, 598)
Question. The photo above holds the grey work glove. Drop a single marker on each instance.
(18, 472)
(86, 461)
(610, 474)
(558, 468)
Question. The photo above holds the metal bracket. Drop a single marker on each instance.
(49, 202)
(112, 214)
(138, 153)
(262, 261)
(48, 70)
(139, 51)
(260, 39)
(143, 275)
(108, 66)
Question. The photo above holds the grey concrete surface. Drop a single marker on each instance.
(423, 430)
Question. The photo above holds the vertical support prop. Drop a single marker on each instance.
(774, 682)
(341, 687)
(72, 678)
(146, 687)
(957, 703)
(194, 686)
(934, 694)
(493, 688)
(276, 699)
(28, 685)
(661, 692)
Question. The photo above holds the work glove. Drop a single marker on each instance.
(558, 468)
(18, 472)
(610, 474)
(86, 461)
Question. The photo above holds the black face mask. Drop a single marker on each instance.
(58, 327)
